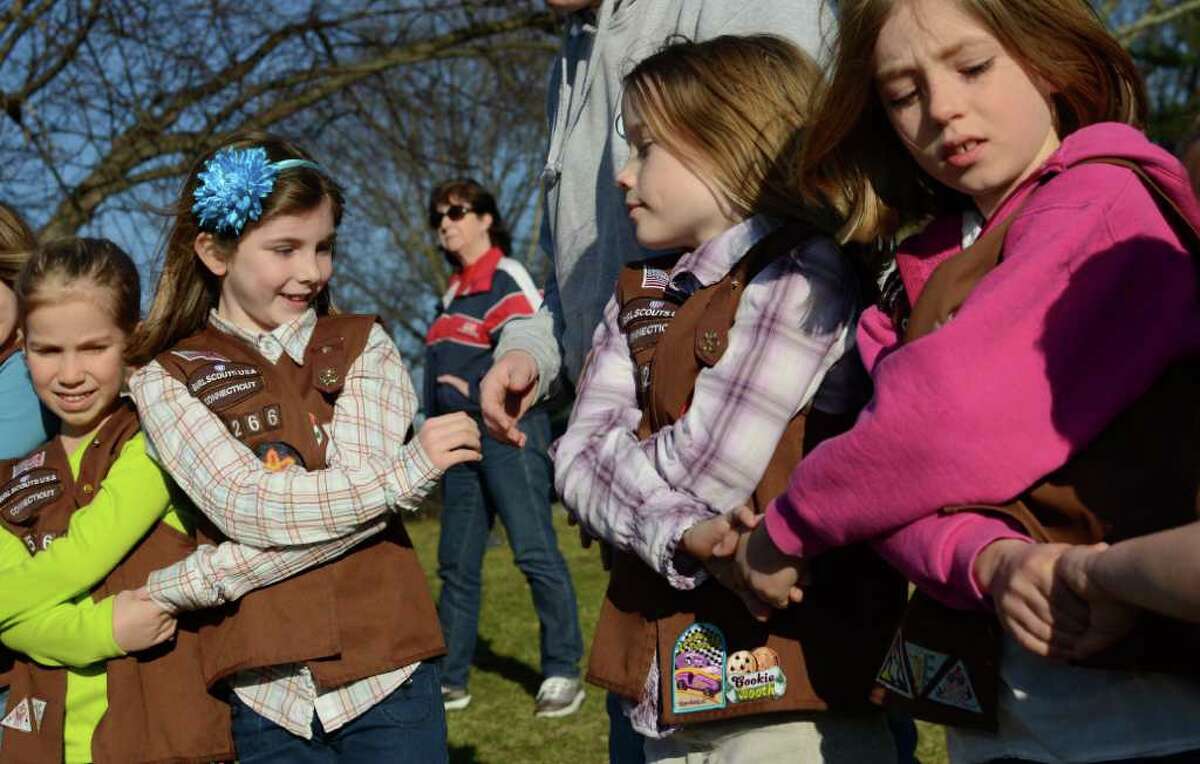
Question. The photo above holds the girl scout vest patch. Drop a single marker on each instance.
(707, 677)
(754, 675)
(698, 683)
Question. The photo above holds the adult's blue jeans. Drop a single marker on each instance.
(408, 725)
(513, 484)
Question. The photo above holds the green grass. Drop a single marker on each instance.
(499, 725)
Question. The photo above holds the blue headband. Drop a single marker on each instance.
(233, 184)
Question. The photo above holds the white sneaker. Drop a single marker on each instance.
(455, 698)
(558, 696)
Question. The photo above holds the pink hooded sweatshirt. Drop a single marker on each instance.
(1095, 297)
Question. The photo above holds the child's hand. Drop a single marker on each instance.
(774, 577)
(717, 543)
(714, 537)
(1109, 619)
(725, 571)
(450, 439)
(139, 622)
(1040, 611)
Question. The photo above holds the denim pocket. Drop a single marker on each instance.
(412, 703)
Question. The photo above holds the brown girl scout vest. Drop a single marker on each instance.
(716, 661)
(364, 614)
(1139, 476)
(158, 707)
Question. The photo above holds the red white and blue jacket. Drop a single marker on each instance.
(480, 300)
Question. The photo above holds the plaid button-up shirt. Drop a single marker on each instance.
(792, 325)
(285, 522)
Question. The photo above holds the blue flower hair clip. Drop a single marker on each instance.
(234, 183)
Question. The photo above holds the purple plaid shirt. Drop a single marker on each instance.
(792, 325)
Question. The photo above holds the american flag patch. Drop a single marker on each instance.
(33, 462)
(199, 355)
(655, 278)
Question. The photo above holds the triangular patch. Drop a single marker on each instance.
(955, 690)
(892, 674)
(924, 664)
(39, 710)
(18, 717)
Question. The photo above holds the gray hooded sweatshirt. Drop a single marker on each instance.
(586, 229)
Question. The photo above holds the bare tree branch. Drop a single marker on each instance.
(150, 138)
(1155, 18)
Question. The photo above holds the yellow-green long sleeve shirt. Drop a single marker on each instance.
(129, 501)
(77, 633)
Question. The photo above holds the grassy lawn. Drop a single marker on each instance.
(499, 725)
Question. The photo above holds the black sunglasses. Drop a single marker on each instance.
(455, 212)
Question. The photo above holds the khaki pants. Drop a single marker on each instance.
(815, 737)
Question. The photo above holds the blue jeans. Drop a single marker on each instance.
(408, 725)
(625, 745)
(515, 484)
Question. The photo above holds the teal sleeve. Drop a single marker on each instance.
(131, 498)
(75, 634)
(22, 418)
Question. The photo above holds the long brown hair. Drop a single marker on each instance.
(16, 244)
(853, 158)
(186, 289)
(735, 109)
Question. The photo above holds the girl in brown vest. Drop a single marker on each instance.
(79, 302)
(287, 426)
(21, 421)
(711, 374)
(1034, 368)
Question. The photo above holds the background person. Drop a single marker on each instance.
(487, 290)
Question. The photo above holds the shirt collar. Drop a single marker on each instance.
(476, 278)
(291, 338)
(715, 258)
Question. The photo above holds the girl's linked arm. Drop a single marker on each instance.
(967, 414)
(131, 498)
(790, 327)
(75, 634)
(937, 553)
(371, 470)
(1157, 572)
(213, 575)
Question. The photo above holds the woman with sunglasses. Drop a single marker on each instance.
(487, 288)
